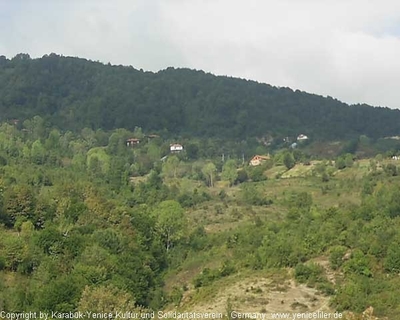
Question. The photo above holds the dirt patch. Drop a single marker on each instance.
(258, 294)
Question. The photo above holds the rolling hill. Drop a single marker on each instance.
(73, 93)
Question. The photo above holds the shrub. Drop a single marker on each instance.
(336, 256)
(308, 272)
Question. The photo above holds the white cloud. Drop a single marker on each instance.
(344, 48)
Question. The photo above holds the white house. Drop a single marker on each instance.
(302, 137)
(175, 147)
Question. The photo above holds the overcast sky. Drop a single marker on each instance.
(348, 49)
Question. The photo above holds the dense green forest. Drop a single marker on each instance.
(74, 93)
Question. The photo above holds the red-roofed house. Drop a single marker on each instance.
(257, 160)
(132, 142)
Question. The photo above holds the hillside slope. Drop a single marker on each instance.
(75, 93)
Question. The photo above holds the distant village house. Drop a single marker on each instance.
(132, 142)
(258, 160)
(175, 147)
(153, 136)
(302, 137)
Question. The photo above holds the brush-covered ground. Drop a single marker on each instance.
(310, 218)
(90, 224)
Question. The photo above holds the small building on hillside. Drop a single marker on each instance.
(132, 142)
(175, 147)
(302, 137)
(258, 160)
(153, 136)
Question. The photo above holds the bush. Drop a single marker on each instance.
(251, 196)
(241, 176)
(227, 269)
(2, 263)
(336, 256)
(288, 160)
(392, 261)
(326, 288)
(256, 174)
(207, 276)
(340, 163)
(390, 170)
(308, 273)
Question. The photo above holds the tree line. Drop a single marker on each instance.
(76, 93)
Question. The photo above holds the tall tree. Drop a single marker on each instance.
(170, 222)
(288, 160)
(229, 171)
(170, 167)
(209, 170)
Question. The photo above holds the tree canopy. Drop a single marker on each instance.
(75, 93)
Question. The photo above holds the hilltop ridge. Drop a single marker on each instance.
(74, 93)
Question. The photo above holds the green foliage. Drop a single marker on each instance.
(229, 172)
(344, 161)
(350, 147)
(106, 299)
(187, 199)
(171, 166)
(209, 170)
(392, 261)
(288, 160)
(109, 240)
(336, 256)
(358, 264)
(241, 176)
(50, 241)
(38, 152)
(207, 276)
(19, 201)
(308, 273)
(65, 213)
(256, 173)
(192, 151)
(76, 93)
(300, 205)
(62, 294)
(170, 222)
(98, 161)
(176, 296)
(251, 195)
(390, 169)
(87, 221)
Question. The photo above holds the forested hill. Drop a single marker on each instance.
(74, 93)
